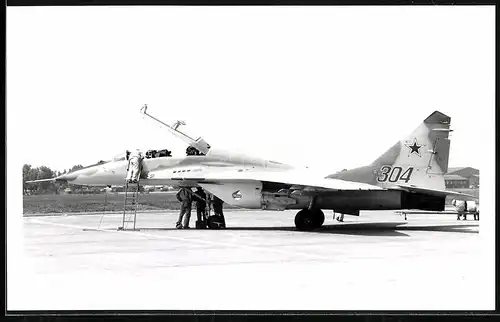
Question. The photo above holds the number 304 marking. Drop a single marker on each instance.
(394, 174)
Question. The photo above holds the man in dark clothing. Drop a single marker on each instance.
(201, 205)
(185, 198)
(217, 204)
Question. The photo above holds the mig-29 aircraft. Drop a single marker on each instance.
(409, 175)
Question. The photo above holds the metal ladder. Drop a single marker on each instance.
(130, 206)
(130, 203)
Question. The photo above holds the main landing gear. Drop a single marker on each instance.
(309, 219)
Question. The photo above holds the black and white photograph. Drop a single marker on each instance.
(241, 158)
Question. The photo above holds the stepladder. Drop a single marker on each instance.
(131, 201)
(129, 218)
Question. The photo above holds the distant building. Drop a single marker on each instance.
(462, 177)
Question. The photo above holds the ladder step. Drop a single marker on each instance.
(132, 191)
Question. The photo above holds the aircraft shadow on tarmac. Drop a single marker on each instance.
(370, 229)
(366, 229)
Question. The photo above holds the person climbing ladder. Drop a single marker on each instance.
(134, 166)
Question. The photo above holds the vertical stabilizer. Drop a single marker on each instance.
(420, 159)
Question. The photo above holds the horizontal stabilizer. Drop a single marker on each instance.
(417, 212)
(436, 192)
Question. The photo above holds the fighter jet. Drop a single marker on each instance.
(409, 175)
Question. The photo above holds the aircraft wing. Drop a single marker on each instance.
(296, 179)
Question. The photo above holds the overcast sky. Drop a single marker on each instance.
(327, 87)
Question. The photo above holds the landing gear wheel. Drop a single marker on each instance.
(309, 219)
(216, 222)
(318, 218)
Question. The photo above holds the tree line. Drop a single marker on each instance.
(30, 173)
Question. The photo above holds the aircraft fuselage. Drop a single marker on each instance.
(168, 170)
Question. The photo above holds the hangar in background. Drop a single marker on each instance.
(462, 177)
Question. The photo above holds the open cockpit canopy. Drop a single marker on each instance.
(148, 154)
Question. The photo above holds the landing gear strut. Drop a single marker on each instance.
(309, 219)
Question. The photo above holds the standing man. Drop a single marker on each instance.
(458, 207)
(217, 203)
(185, 197)
(201, 205)
(476, 214)
(134, 166)
(465, 210)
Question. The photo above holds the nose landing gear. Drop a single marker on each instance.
(309, 219)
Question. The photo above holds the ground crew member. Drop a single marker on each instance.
(185, 197)
(458, 208)
(134, 170)
(201, 205)
(217, 204)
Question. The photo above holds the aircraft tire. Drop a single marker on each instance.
(215, 222)
(319, 218)
(304, 220)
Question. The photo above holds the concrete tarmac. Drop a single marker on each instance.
(377, 261)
